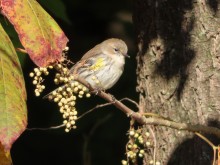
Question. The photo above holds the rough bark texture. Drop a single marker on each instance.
(179, 73)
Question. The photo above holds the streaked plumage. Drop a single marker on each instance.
(103, 65)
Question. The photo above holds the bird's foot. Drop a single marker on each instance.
(113, 98)
(97, 91)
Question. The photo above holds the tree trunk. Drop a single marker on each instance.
(179, 73)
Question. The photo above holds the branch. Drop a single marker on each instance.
(109, 98)
(151, 120)
(183, 126)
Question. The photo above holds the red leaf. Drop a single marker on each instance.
(5, 157)
(40, 35)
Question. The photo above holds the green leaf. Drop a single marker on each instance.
(13, 111)
(40, 35)
(9, 29)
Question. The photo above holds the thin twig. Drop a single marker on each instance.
(104, 105)
(183, 126)
(211, 144)
(155, 144)
(205, 139)
(21, 50)
(43, 129)
(96, 107)
(132, 101)
(60, 126)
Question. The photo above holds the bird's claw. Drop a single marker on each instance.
(113, 99)
(96, 91)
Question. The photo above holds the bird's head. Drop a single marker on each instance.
(114, 47)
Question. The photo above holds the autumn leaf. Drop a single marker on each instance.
(5, 157)
(40, 35)
(13, 111)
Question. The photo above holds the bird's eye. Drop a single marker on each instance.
(116, 49)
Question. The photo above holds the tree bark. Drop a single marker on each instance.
(179, 73)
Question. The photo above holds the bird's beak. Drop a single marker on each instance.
(126, 55)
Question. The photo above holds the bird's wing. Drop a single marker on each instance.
(92, 52)
(93, 63)
(87, 59)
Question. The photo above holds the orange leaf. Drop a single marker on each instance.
(40, 35)
(5, 157)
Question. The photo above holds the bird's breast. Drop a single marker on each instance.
(119, 61)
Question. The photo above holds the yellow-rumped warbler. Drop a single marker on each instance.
(103, 65)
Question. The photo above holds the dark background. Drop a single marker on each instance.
(101, 135)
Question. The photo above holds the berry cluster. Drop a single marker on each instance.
(63, 75)
(66, 95)
(138, 145)
(37, 76)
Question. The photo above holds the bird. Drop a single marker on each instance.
(103, 65)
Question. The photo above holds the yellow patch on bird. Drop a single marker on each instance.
(99, 63)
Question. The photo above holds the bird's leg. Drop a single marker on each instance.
(113, 98)
(96, 91)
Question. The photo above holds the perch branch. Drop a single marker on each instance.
(109, 98)
(152, 120)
